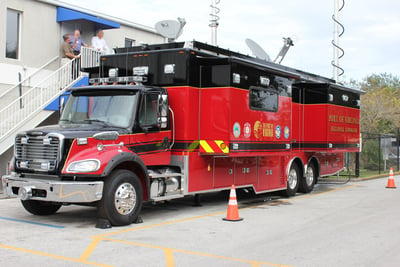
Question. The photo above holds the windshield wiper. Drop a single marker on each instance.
(67, 120)
(104, 123)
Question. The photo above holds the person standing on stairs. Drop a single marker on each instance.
(67, 54)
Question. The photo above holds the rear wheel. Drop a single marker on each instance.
(41, 208)
(308, 181)
(293, 180)
(122, 198)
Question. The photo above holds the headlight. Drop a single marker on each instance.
(89, 165)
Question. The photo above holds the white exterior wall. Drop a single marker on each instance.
(39, 38)
(116, 37)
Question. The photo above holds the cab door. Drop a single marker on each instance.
(153, 132)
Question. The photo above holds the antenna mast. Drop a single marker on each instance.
(214, 20)
(338, 30)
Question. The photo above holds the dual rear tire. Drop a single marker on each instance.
(296, 181)
(308, 181)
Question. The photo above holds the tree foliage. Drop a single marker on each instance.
(380, 105)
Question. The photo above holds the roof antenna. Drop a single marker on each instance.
(214, 20)
(287, 43)
(338, 52)
(170, 29)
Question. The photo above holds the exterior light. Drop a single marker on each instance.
(264, 81)
(81, 141)
(169, 69)
(82, 166)
(142, 70)
(236, 78)
(113, 72)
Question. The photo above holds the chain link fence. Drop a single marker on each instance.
(379, 153)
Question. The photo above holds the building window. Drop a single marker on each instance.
(129, 42)
(13, 33)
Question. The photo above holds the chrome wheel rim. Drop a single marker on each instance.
(309, 176)
(125, 198)
(292, 179)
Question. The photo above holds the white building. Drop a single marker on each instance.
(30, 37)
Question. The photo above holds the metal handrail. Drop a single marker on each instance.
(29, 77)
(31, 102)
(90, 58)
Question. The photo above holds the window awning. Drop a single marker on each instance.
(65, 14)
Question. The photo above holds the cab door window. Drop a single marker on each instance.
(148, 110)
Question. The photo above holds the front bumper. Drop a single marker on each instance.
(51, 190)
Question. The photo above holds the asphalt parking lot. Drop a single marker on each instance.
(353, 224)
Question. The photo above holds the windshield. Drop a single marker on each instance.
(113, 109)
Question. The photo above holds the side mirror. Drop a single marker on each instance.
(163, 108)
(61, 102)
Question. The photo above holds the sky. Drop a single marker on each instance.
(371, 40)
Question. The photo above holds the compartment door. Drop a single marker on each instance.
(223, 172)
(297, 118)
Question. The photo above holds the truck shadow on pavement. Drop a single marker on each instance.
(86, 217)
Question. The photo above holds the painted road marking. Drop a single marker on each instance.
(169, 252)
(98, 238)
(31, 222)
(170, 258)
(52, 256)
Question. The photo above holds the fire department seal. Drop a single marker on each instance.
(258, 129)
(286, 132)
(278, 132)
(236, 129)
(247, 130)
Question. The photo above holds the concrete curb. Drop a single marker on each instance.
(383, 175)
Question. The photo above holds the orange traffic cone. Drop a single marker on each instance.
(390, 183)
(232, 213)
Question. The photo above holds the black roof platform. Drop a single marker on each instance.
(215, 51)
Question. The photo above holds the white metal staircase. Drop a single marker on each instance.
(26, 111)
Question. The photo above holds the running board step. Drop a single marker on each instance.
(164, 175)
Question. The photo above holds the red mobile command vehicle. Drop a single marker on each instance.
(165, 121)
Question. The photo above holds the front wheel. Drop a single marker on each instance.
(122, 198)
(41, 208)
(292, 181)
(307, 183)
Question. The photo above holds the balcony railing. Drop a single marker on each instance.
(90, 58)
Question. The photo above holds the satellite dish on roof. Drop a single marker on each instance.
(257, 50)
(170, 29)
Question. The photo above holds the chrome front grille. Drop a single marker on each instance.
(38, 153)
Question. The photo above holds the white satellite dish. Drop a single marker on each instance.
(257, 50)
(170, 29)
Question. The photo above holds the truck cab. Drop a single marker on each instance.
(98, 153)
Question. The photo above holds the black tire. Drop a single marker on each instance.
(121, 211)
(308, 181)
(41, 208)
(293, 181)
